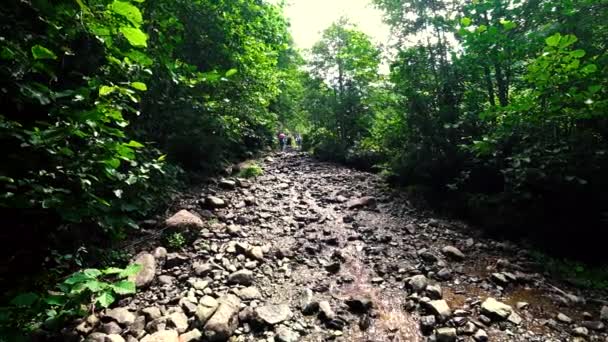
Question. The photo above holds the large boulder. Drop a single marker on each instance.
(440, 308)
(453, 253)
(224, 321)
(145, 276)
(205, 309)
(241, 277)
(121, 315)
(215, 202)
(184, 220)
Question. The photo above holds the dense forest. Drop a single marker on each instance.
(492, 111)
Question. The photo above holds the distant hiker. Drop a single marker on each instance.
(289, 141)
(299, 141)
(282, 140)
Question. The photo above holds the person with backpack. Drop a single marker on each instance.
(282, 137)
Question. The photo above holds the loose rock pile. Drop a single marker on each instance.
(312, 251)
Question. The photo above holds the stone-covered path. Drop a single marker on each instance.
(312, 251)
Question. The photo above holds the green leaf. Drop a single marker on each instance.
(112, 270)
(481, 29)
(578, 53)
(92, 272)
(465, 21)
(139, 57)
(553, 40)
(135, 36)
(40, 52)
(134, 144)
(139, 86)
(76, 278)
(7, 54)
(105, 299)
(124, 287)
(589, 68)
(128, 11)
(567, 40)
(231, 72)
(25, 299)
(105, 90)
(55, 300)
(94, 285)
(161, 158)
(130, 270)
(508, 24)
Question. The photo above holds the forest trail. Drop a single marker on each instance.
(312, 251)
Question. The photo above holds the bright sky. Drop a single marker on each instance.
(310, 17)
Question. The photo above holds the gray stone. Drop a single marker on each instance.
(227, 184)
(175, 259)
(418, 282)
(160, 253)
(434, 291)
(593, 325)
(179, 321)
(114, 338)
(440, 308)
(604, 313)
(192, 335)
(249, 293)
(361, 202)
(446, 334)
(184, 220)
(284, 334)
(241, 277)
(121, 315)
(580, 332)
(326, 310)
(495, 309)
(453, 253)
(273, 314)
(563, 318)
(201, 269)
(225, 319)
(111, 328)
(162, 336)
(96, 337)
(145, 276)
(427, 324)
(514, 318)
(215, 202)
(206, 308)
(481, 336)
(152, 312)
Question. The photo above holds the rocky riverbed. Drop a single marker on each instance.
(312, 251)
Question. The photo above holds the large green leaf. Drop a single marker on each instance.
(124, 287)
(139, 86)
(105, 299)
(25, 299)
(553, 40)
(135, 36)
(40, 52)
(128, 11)
(130, 270)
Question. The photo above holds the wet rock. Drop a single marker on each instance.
(273, 314)
(162, 336)
(145, 276)
(215, 202)
(241, 277)
(121, 315)
(361, 202)
(453, 253)
(446, 334)
(225, 320)
(184, 220)
(495, 309)
(440, 308)
(444, 274)
(205, 309)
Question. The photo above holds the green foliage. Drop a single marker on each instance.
(176, 240)
(577, 273)
(250, 170)
(77, 295)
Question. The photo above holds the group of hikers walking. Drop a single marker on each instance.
(286, 141)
